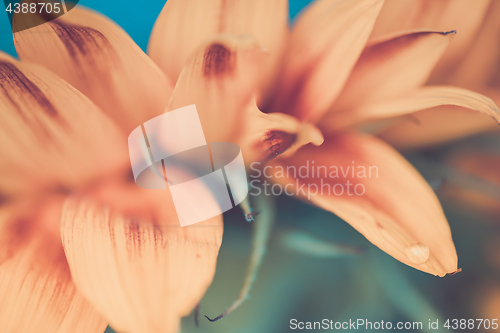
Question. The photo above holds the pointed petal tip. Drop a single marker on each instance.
(455, 272)
(444, 33)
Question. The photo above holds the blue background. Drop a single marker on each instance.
(135, 16)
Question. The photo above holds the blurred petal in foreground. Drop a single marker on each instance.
(142, 273)
(48, 131)
(36, 291)
(98, 58)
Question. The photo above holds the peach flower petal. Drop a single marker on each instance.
(388, 69)
(466, 17)
(185, 25)
(52, 136)
(388, 202)
(480, 69)
(37, 293)
(98, 58)
(420, 99)
(326, 42)
(221, 79)
(434, 126)
(133, 261)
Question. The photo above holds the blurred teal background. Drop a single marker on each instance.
(308, 287)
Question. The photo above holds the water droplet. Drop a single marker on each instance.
(418, 253)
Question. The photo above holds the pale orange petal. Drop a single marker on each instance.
(52, 135)
(185, 25)
(325, 44)
(388, 69)
(420, 99)
(140, 269)
(221, 79)
(36, 291)
(388, 202)
(480, 70)
(98, 58)
(466, 17)
(435, 126)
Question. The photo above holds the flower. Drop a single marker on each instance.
(330, 76)
(83, 85)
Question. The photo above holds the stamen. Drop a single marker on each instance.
(261, 231)
(249, 213)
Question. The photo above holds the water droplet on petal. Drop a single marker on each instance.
(418, 253)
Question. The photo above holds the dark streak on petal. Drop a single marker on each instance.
(112, 236)
(27, 99)
(17, 88)
(278, 142)
(157, 234)
(80, 40)
(86, 48)
(133, 236)
(218, 60)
